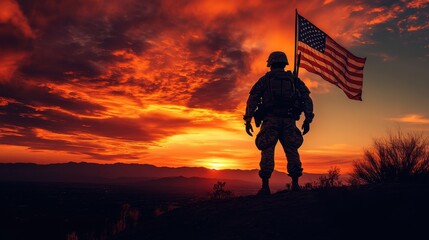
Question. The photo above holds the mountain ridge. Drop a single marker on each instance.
(94, 172)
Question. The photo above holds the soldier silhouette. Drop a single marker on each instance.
(278, 99)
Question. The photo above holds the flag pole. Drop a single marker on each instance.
(296, 43)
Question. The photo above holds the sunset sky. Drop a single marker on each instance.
(165, 82)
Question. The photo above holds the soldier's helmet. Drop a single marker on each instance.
(277, 57)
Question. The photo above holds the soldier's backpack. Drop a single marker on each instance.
(281, 96)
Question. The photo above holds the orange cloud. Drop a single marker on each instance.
(412, 23)
(15, 34)
(412, 118)
(10, 12)
(384, 14)
(418, 27)
(9, 64)
(417, 3)
(3, 102)
(316, 86)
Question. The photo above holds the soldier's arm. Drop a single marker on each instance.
(307, 102)
(254, 98)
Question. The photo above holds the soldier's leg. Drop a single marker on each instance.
(266, 169)
(267, 163)
(291, 139)
(266, 141)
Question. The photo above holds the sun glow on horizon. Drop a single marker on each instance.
(215, 164)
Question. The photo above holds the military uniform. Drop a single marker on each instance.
(283, 99)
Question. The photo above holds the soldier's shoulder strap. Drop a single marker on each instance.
(260, 85)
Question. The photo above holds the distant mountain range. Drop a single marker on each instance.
(93, 172)
(183, 178)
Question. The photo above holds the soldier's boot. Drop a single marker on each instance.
(265, 190)
(295, 185)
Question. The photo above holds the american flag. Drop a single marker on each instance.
(321, 55)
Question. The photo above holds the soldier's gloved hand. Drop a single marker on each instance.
(249, 128)
(305, 127)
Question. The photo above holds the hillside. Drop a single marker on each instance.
(398, 211)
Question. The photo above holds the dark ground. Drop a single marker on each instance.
(104, 211)
(393, 211)
(51, 211)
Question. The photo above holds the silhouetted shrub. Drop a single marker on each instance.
(219, 192)
(354, 182)
(398, 157)
(308, 186)
(330, 180)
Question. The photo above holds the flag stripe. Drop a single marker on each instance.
(342, 49)
(321, 55)
(341, 59)
(342, 56)
(350, 94)
(341, 80)
(353, 75)
(326, 60)
(335, 78)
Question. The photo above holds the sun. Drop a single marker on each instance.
(216, 163)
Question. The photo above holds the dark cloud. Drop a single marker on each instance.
(42, 96)
(28, 138)
(13, 39)
(233, 63)
(27, 120)
(214, 95)
(73, 40)
(147, 128)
